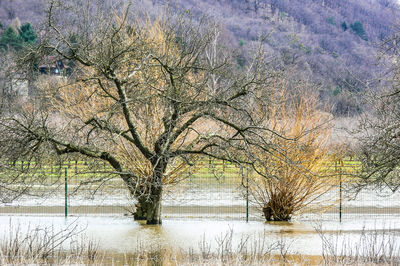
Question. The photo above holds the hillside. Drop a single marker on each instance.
(331, 43)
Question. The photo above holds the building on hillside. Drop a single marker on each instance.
(54, 66)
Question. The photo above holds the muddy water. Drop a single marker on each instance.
(205, 213)
(123, 235)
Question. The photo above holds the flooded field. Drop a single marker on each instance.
(123, 235)
(204, 215)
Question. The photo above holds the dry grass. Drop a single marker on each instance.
(46, 246)
(375, 247)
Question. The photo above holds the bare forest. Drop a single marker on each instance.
(335, 44)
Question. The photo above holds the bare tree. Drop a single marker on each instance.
(299, 170)
(379, 137)
(146, 96)
(378, 130)
(13, 179)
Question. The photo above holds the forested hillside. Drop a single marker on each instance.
(334, 44)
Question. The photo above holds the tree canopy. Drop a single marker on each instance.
(27, 33)
(10, 38)
(146, 96)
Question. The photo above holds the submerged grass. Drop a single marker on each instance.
(371, 247)
(45, 246)
(37, 245)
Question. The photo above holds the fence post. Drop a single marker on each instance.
(66, 192)
(340, 191)
(247, 196)
(247, 191)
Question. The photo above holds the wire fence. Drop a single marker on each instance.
(214, 190)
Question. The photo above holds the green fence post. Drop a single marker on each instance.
(66, 192)
(340, 191)
(247, 196)
(247, 190)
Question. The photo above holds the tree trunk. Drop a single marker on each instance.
(154, 207)
(148, 195)
(267, 212)
(141, 209)
(153, 213)
(148, 207)
(279, 207)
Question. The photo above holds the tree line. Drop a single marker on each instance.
(17, 36)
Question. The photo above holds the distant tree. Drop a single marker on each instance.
(344, 26)
(11, 39)
(16, 37)
(331, 20)
(358, 28)
(10, 11)
(241, 60)
(389, 3)
(345, 104)
(16, 24)
(379, 151)
(27, 33)
(6, 64)
(337, 91)
(379, 136)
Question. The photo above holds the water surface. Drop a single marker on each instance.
(123, 235)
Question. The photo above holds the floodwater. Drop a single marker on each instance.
(123, 235)
(206, 214)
